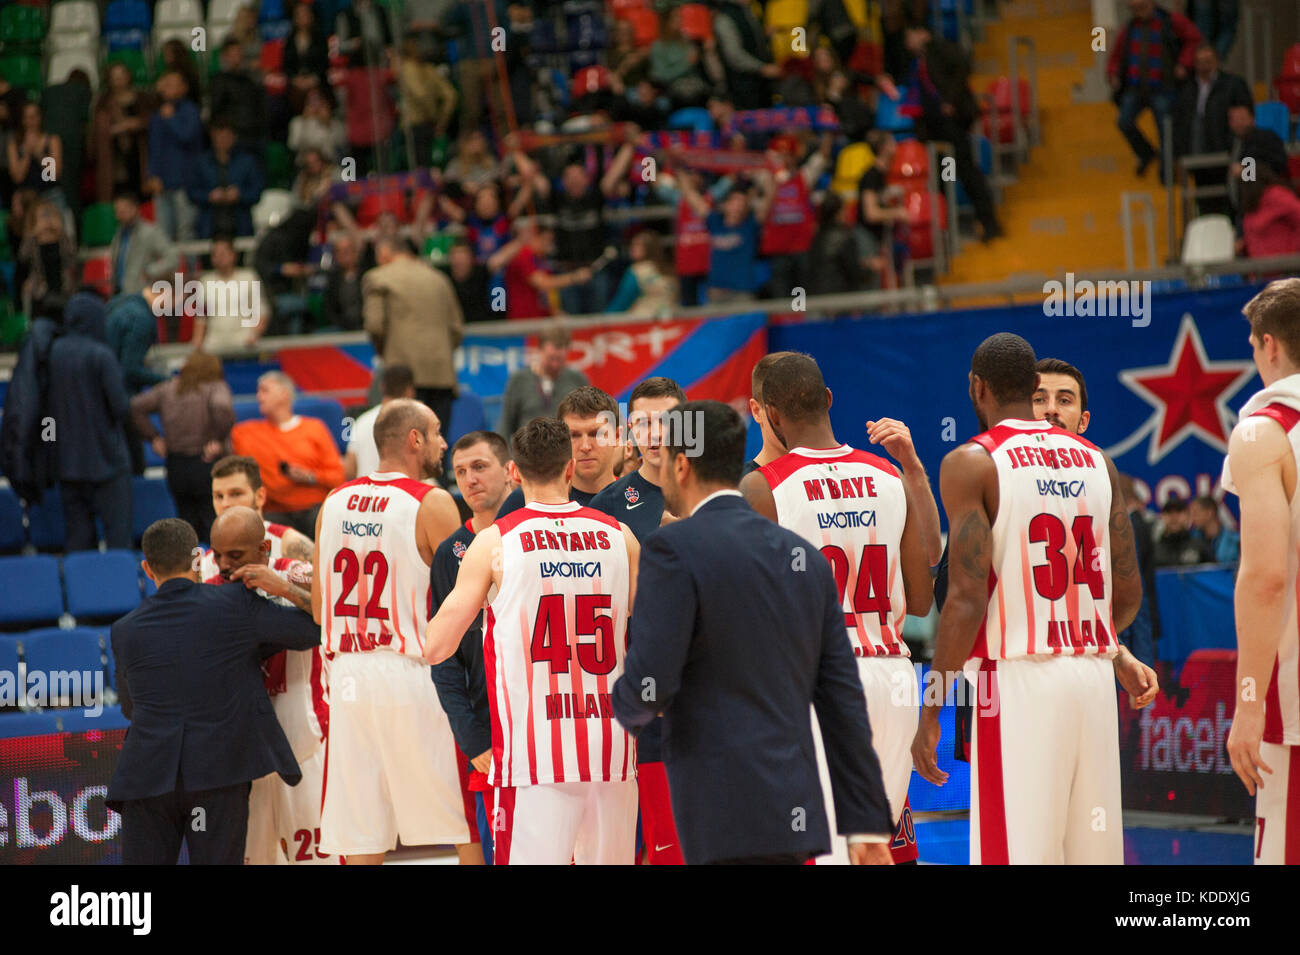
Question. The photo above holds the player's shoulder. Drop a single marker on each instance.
(594, 514)
(858, 456)
(457, 541)
(613, 496)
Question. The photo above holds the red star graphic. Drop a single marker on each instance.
(1190, 395)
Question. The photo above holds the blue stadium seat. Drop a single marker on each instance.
(9, 654)
(103, 586)
(12, 533)
(73, 651)
(328, 410)
(13, 725)
(1273, 115)
(150, 501)
(246, 410)
(887, 115)
(32, 591)
(151, 459)
(694, 118)
(467, 414)
(127, 15)
(586, 30)
(76, 720)
(45, 521)
(110, 665)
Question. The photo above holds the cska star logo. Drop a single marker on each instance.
(632, 494)
(458, 549)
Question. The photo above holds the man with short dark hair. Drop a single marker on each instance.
(1061, 396)
(190, 680)
(591, 415)
(362, 457)
(738, 633)
(536, 391)
(140, 253)
(1201, 120)
(772, 446)
(1175, 546)
(225, 185)
(1219, 544)
(237, 482)
(1251, 142)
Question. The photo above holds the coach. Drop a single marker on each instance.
(736, 634)
(190, 681)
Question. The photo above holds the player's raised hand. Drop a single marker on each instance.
(925, 747)
(1139, 680)
(870, 853)
(1243, 745)
(895, 437)
(261, 577)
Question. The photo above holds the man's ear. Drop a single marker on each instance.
(265, 547)
(513, 470)
(259, 498)
(569, 467)
(755, 409)
(148, 571)
(1083, 421)
(830, 398)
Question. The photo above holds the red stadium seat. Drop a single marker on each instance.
(1288, 91)
(911, 163)
(646, 25)
(147, 210)
(622, 8)
(1291, 62)
(697, 21)
(98, 272)
(921, 238)
(377, 203)
(272, 58)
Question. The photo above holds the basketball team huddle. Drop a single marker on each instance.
(509, 748)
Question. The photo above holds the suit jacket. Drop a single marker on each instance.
(739, 626)
(413, 316)
(189, 677)
(150, 257)
(1227, 90)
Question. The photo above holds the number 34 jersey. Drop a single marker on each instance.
(554, 639)
(1050, 581)
(851, 506)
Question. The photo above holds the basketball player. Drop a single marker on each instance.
(390, 756)
(855, 508)
(772, 446)
(1261, 470)
(560, 579)
(1061, 396)
(591, 416)
(480, 462)
(237, 482)
(1042, 576)
(283, 820)
(637, 501)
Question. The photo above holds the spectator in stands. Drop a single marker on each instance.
(132, 329)
(940, 78)
(1201, 121)
(371, 117)
(473, 166)
(197, 413)
(787, 232)
(1220, 544)
(47, 259)
(282, 252)
(225, 323)
(536, 391)
(119, 133)
(306, 55)
(629, 62)
(177, 56)
(1175, 545)
(362, 457)
(318, 128)
(67, 116)
(413, 318)
(854, 114)
(836, 263)
(529, 283)
(341, 305)
(364, 34)
(472, 25)
(471, 281)
(1250, 141)
(745, 53)
(295, 455)
(238, 99)
(678, 65)
(881, 214)
(733, 238)
(140, 253)
(428, 101)
(175, 144)
(225, 185)
(244, 32)
(1270, 217)
(1153, 53)
(1217, 21)
(35, 156)
(649, 285)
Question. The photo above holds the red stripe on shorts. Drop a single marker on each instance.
(993, 806)
(503, 825)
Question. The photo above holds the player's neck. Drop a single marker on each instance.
(553, 493)
(1015, 412)
(649, 473)
(482, 520)
(817, 438)
(595, 485)
(768, 453)
(387, 466)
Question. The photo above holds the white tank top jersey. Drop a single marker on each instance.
(208, 562)
(1282, 702)
(554, 640)
(1050, 583)
(851, 505)
(296, 679)
(374, 581)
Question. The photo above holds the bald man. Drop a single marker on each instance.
(282, 820)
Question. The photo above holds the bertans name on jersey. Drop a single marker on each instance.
(563, 540)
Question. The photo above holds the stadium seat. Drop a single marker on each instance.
(645, 24)
(783, 47)
(222, 11)
(272, 209)
(23, 71)
(71, 651)
(279, 166)
(98, 224)
(888, 117)
(45, 521)
(183, 12)
(920, 213)
(33, 594)
(74, 16)
(127, 15)
(911, 163)
(63, 62)
(97, 272)
(375, 204)
(77, 720)
(695, 118)
(13, 534)
(785, 14)
(328, 410)
(1209, 239)
(850, 165)
(246, 410)
(21, 26)
(101, 586)
(467, 414)
(584, 29)
(697, 21)
(150, 501)
(14, 725)
(8, 654)
(76, 40)
(272, 58)
(1288, 91)
(1274, 115)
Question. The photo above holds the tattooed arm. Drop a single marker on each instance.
(1125, 576)
(263, 578)
(968, 484)
(297, 545)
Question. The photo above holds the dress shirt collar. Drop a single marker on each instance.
(725, 492)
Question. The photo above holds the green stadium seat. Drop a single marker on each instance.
(98, 224)
(21, 25)
(13, 325)
(437, 246)
(135, 62)
(279, 167)
(23, 71)
(316, 306)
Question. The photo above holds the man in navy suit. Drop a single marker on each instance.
(738, 635)
(189, 677)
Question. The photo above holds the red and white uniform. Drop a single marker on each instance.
(391, 766)
(1045, 753)
(274, 533)
(852, 507)
(554, 640)
(1277, 803)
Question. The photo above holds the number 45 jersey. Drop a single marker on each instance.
(851, 506)
(554, 640)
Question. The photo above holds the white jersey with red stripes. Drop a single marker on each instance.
(554, 639)
(295, 679)
(851, 505)
(1282, 702)
(1049, 583)
(274, 532)
(374, 581)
